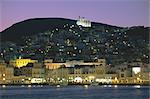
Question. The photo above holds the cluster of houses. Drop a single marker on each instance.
(27, 71)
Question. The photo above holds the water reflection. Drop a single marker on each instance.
(74, 92)
(137, 86)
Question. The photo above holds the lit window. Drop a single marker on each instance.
(75, 48)
(4, 74)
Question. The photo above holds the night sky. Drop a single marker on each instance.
(113, 12)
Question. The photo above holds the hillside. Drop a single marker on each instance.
(61, 39)
(38, 25)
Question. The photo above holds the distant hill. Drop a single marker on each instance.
(32, 26)
(139, 32)
(62, 39)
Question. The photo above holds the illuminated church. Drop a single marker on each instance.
(83, 22)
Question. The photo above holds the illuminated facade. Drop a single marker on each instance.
(22, 62)
(73, 70)
(38, 80)
(89, 74)
(51, 65)
(83, 22)
(56, 76)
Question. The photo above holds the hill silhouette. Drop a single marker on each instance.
(37, 25)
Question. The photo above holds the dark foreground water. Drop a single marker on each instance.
(74, 92)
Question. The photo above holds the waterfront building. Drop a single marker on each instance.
(77, 71)
(82, 74)
(32, 73)
(88, 74)
(24, 71)
(21, 62)
(144, 75)
(124, 71)
(134, 73)
(50, 65)
(107, 79)
(6, 73)
(20, 80)
(38, 70)
(2, 71)
(56, 76)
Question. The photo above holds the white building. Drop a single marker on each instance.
(83, 22)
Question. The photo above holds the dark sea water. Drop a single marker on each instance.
(74, 92)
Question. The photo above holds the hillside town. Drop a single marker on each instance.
(77, 53)
(27, 71)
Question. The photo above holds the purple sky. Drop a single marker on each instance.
(114, 12)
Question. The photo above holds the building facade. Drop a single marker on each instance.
(21, 62)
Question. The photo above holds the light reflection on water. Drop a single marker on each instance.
(74, 92)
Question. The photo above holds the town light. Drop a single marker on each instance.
(116, 79)
(103, 80)
(29, 78)
(97, 80)
(37, 80)
(4, 78)
(58, 78)
(138, 78)
(91, 77)
(78, 79)
(4, 74)
(136, 70)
